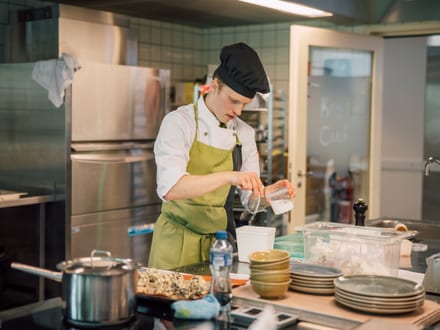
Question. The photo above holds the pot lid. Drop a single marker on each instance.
(102, 266)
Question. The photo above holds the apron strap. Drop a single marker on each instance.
(229, 204)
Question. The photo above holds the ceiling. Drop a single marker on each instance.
(221, 13)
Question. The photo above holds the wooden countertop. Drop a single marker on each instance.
(310, 306)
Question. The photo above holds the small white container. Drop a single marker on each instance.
(254, 238)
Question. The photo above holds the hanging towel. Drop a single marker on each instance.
(56, 75)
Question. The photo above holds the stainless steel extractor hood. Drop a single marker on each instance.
(88, 35)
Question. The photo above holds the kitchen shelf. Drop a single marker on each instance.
(269, 123)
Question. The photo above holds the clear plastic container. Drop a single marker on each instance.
(278, 199)
(353, 249)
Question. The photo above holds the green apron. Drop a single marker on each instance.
(185, 229)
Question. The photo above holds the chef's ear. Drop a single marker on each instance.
(213, 85)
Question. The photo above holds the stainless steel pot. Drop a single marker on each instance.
(96, 291)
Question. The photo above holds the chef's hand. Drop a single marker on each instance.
(248, 181)
(280, 185)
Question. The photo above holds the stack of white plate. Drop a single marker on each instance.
(379, 294)
(312, 278)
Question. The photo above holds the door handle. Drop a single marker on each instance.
(302, 173)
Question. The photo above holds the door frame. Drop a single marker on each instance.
(301, 38)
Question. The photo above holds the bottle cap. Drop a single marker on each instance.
(221, 234)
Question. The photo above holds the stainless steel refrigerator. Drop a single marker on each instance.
(114, 113)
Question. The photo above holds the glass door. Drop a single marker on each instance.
(334, 123)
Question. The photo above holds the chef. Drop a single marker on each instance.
(204, 152)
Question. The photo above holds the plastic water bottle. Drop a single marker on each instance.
(220, 264)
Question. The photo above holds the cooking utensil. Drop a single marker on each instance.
(96, 291)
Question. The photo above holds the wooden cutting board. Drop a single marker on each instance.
(327, 305)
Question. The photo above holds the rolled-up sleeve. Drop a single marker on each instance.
(171, 150)
(251, 162)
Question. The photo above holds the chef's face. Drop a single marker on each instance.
(226, 103)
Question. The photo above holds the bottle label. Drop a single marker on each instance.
(221, 259)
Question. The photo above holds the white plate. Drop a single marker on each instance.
(311, 290)
(392, 300)
(372, 309)
(313, 279)
(380, 304)
(312, 284)
(312, 270)
(378, 286)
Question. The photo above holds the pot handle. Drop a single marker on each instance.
(93, 255)
(55, 276)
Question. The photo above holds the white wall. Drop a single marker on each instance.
(403, 125)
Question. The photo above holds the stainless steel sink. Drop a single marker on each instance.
(426, 230)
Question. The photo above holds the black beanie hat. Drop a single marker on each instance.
(242, 70)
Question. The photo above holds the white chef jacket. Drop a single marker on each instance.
(177, 133)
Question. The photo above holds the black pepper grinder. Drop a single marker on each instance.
(360, 208)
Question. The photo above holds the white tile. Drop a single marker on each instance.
(255, 39)
(270, 70)
(282, 72)
(166, 54)
(165, 65)
(178, 37)
(282, 55)
(242, 37)
(187, 57)
(188, 40)
(282, 26)
(200, 71)
(188, 73)
(255, 28)
(283, 38)
(156, 64)
(156, 35)
(283, 85)
(228, 29)
(144, 53)
(144, 34)
(166, 37)
(228, 39)
(177, 56)
(156, 24)
(268, 55)
(155, 53)
(166, 25)
(198, 42)
(268, 38)
(214, 41)
(242, 29)
(177, 72)
(198, 57)
(213, 57)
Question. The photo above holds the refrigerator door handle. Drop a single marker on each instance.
(111, 159)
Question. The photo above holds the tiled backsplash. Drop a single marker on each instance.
(186, 50)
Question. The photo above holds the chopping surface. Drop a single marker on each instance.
(307, 306)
